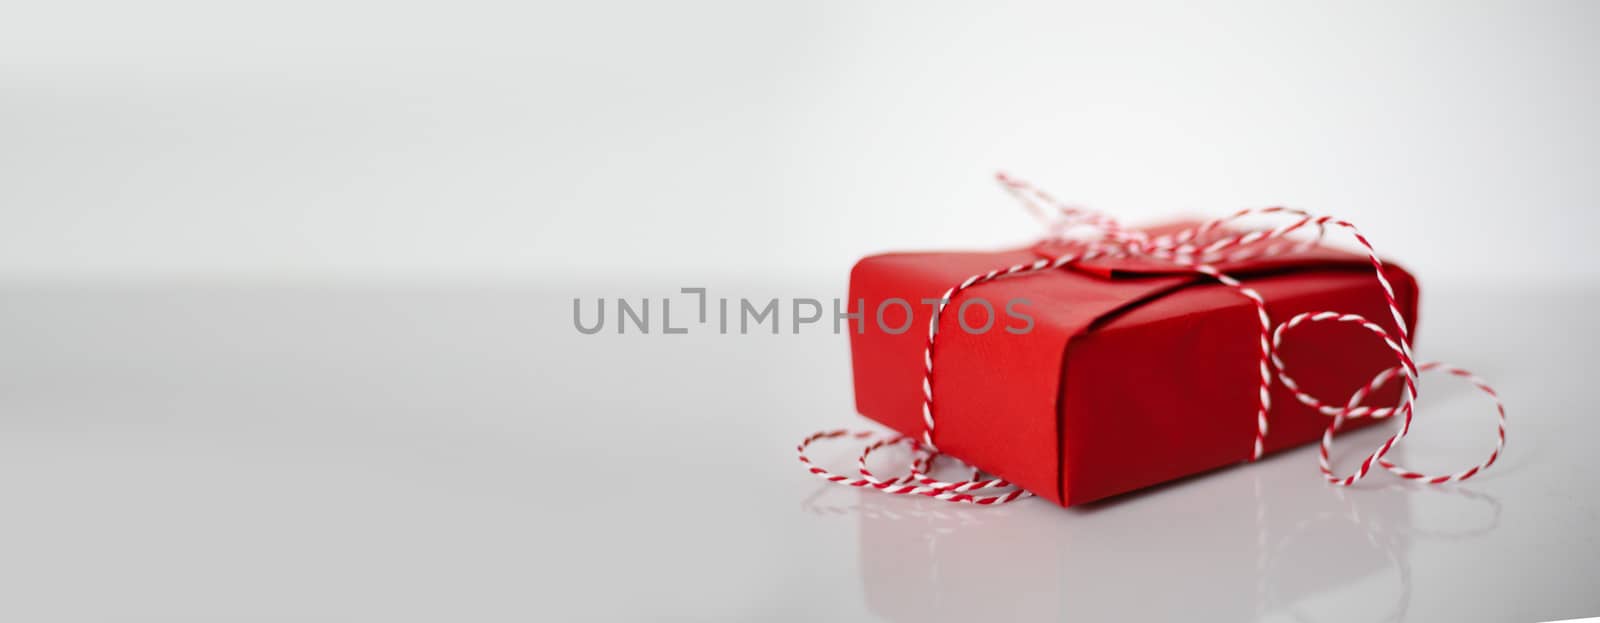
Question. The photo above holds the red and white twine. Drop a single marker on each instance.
(1199, 249)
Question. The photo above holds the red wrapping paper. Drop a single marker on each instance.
(1135, 371)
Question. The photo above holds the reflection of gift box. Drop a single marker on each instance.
(1265, 542)
(1126, 372)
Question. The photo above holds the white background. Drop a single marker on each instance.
(286, 302)
(561, 142)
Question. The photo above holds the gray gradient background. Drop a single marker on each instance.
(285, 296)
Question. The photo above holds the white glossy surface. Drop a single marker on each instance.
(432, 454)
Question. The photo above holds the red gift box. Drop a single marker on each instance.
(1111, 374)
